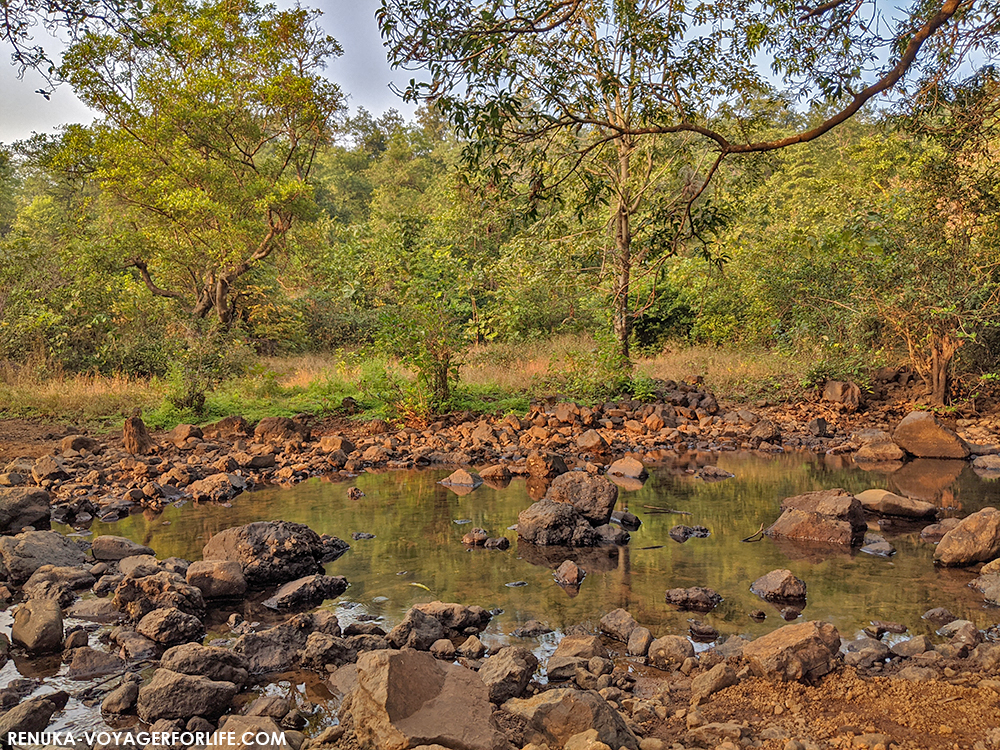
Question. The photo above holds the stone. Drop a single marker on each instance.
(59, 583)
(881, 452)
(917, 645)
(549, 523)
(217, 488)
(80, 443)
(404, 699)
(171, 695)
(276, 649)
(717, 678)
(323, 650)
(591, 442)
(307, 592)
(506, 674)
(217, 579)
(21, 507)
(26, 552)
(280, 430)
(545, 465)
(569, 574)
(628, 467)
(975, 539)
(935, 532)
(554, 716)
(581, 646)
(498, 473)
(779, 585)
(669, 652)
(331, 443)
(168, 626)
(765, 431)
(121, 700)
(841, 392)
(137, 597)
(471, 648)
(88, 663)
(138, 566)
(828, 516)
(639, 642)
(48, 468)
(252, 733)
(618, 624)
(462, 478)
(921, 434)
(592, 495)
(696, 598)
(269, 552)
(219, 664)
(32, 715)
(38, 626)
(112, 548)
(794, 652)
(94, 610)
(888, 503)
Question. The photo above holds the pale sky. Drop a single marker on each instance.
(362, 73)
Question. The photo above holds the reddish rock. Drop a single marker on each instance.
(828, 516)
(794, 652)
(924, 436)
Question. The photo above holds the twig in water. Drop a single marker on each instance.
(756, 536)
(658, 509)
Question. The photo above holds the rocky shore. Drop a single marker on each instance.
(175, 646)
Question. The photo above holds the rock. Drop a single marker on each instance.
(323, 650)
(80, 443)
(669, 652)
(58, 583)
(74, 639)
(508, 672)
(639, 642)
(696, 598)
(682, 533)
(25, 553)
(935, 532)
(628, 467)
(841, 392)
(619, 624)
(549, 523)
(168, 625)
(497, 473)
(917, 645)
(713, 474)
(591, 442)
(887, 503)
(38, 626)
(404, 699)
(171, 695)
(417, 630)
(31, 715)
(307, 592)
(975, 539)
(569, 574)
(94, 610)
(137, 597)
(216, 488)
(471, 648)
(228, 427)
(121, 700)
(276, 649)
(280, 430)
(828, 516)
(765, 431)
(581, 646)
(554, 716)
(112, 548)
(23, 506)
(331, 443)
(462, 478)
(88, 663)
(135, 436)
(134, 646)
(252, 733)
(879, 453)
(48, 468)
(921, 434)
(269, 552)
(219, 664)
(138, 566)
(217, 579)
(545, 465)
(717, 678)
(779, 585)
(794, 652)
(592, 495)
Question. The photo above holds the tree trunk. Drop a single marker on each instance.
(938, 377)
(621, 221)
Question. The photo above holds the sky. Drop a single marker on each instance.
(362, 72)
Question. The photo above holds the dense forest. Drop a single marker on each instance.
(228, 206)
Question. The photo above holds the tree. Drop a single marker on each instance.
(515, 74)
(208, 140)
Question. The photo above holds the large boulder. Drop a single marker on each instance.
(269, 552)
(25, 553)
(307, 592)
(23, 506)
(31, 715)
(168, 625)
(38, 626)
(923, 435)
(113, 548)
(887, 503)
(554, 716)
(426, 623)
(508, 672)
(277, 649)
(592, 495)
(404, 699)
(280, 430)
(137, 597)
(217, 579)
(548, 523)
(217, 488)
(219, 664)
(171, 695)
(794, 652)
(975, 539)
(829, 516)
(670, 651)
(57, 583)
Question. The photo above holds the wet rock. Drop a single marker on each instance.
(462, 478)
(713, 474)
(137, 597)
(133, 646)
(827, 516)
(121, 700)
(88, 663)
(507, 673)
(545, 465)
(887, 503)
(779, 585)
(25, 553)
(217, 664)
(669, 652)
(702, 632)
(21, 507)
(549, 523)
(618, 624)
(592, 495)
(696, 598)
(554, 716)
(94, 610)
(717, 678)
(138, 566)
(476, 537)
(569, 574)
(496, 474)
(611, 535)
(217, 579)
(269, 552)
(639, 642)
(500, 543)
(628, 521)
(765, 431)
(794, 652)
(628, 467)
(323, 650)
(531, 629)
(75, 639)
(276, 649)
(171, 695)
(112, 548)
(682, 533)
(880, 452)
(217, 488)
(57, 583)
(471, 648)
(38, 626)
(975, 539)
(32, 715)
(935, 532)
(307, 592)
(168, 626)
(921, 434)
(404, 699)
(878, 546)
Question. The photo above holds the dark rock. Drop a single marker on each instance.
(171, 695)
(545, 465)
(112, 548)
(593, 496)
(307, 592)
(681, 533)
(827, 516)
(137, 597)
(280, 430)
(696, 598)
(88, 663)
(269, 552)
(276, 649)
(323, 650)
(21, 507)
(219, 664)
(168, 626)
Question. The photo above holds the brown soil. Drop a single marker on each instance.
(22, 437)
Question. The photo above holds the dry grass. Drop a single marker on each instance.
(514, 367)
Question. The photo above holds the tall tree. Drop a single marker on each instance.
(208, 139)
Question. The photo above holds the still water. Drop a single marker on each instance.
(417, 554)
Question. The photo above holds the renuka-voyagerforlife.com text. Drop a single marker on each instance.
(142, 739)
